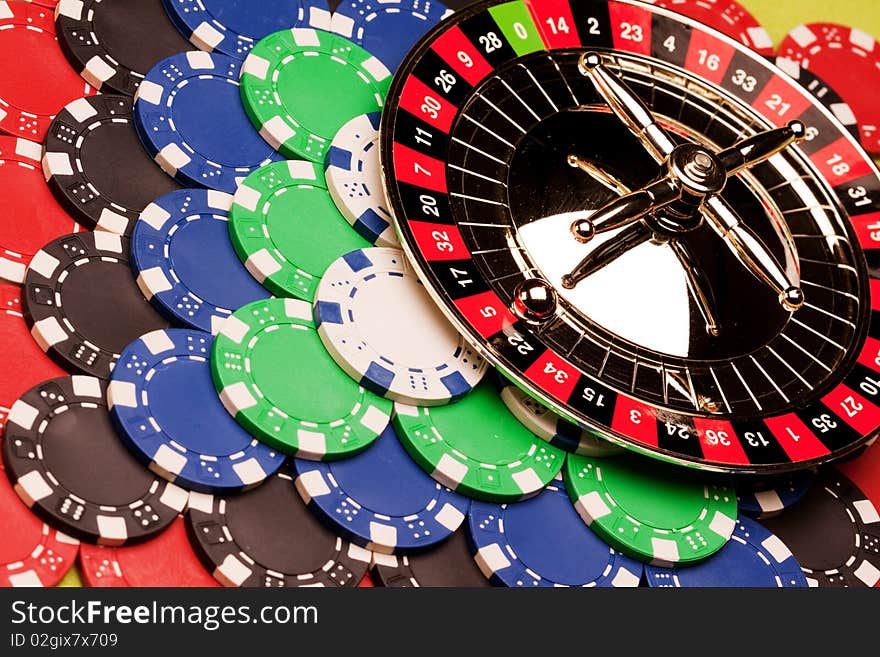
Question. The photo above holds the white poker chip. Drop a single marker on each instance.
(556, 430)
(354, 180)
(381, 327)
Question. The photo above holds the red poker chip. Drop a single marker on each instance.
(35, 79)
(34, 217)
(31, 552)
(167, 560)
(728, 17)
(24, 363)
(848, 60)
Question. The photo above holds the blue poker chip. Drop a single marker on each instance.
(753, 557)
(769, 498)
(232, 27)
(189, 116)
(387, 29)
(380, 499)
(543, 542)
(184, 262)
(165, 408)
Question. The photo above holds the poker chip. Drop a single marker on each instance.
(546, 424)
(189, 117)
(863, 472)
(447, 564)
(89, 143)
(726, 16)
(27, 37)
(847, 59)
(166, 560)
(24, 363)
(824, 93)
(380, 499)
(649, 510)
(66, 462)
(277, 380)
(162, 400)
(113, 43)
(31, 553)
(354, 180)
(752, 558)
(387, 28)
(542, 542)
(834, 533)
(278, 82)
(232, 27)
(286, 230)
(37, 216)
(82, 304)
(477, 448)
(765, 499)
(184, 262)
(267, 537)
(418, 358)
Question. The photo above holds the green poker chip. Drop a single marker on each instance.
(651, 511)
(300, 86)
(476, 447)
(279, 383)
(286, 229)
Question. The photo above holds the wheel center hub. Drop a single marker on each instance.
(698, 170)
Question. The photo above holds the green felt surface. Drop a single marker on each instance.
(779, 16)
(72, 578)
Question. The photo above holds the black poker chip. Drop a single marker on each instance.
(66, 462)
(82, 303)
(449, 564)
(833, 532)
(113, 43)
(96, 167)
(267, 537)
(822, 92)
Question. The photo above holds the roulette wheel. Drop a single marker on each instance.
(645, 225)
